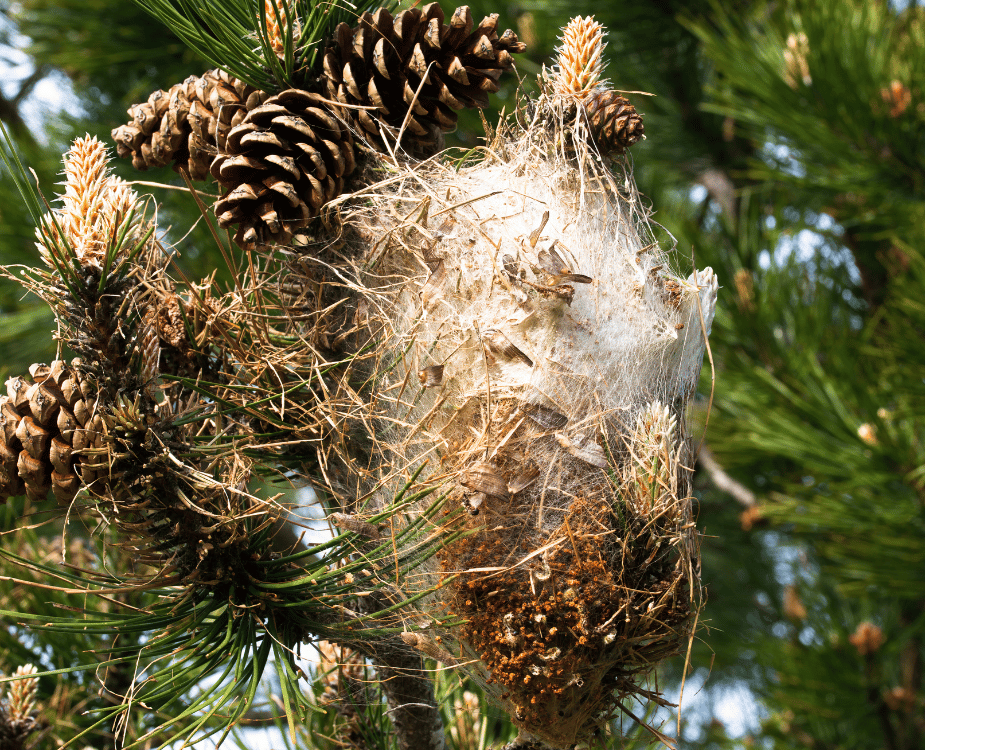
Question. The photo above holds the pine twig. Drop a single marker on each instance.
(720, 187)
(723, 481)
(408, 688)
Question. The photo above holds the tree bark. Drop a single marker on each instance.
(409, 690)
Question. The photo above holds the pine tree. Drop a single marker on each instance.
(790, 117)
(203, 404)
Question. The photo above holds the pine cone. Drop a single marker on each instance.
(184, 124)
(382, 62)
(44, 424)
(286, 159)
(614, 123)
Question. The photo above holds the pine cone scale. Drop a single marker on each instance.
(351, 83)
(458, 28)
(10, 417)
(315, 160)
(342, 157)
(314, 196)
(144, 118)
(484, 50)
(328, 125)
(34, 438)
(418, 63)
(378, 58)
(359, 39)
(64, 486)
(66, 424)
(61, 455)
(457, 71)
(32, 471)
(296, 125)
(269, 215)
(82, 438)
(82, 410)
(286, 164)
(406, 26)
(43, 402)
(243, 192)
(262, 138)
(433, 33)
(11, 446)
(232, 141)
(375, 96)
(236, 169)
(284, 189)
(509, 42)
(17, 392)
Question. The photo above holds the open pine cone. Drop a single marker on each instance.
(614, 122)
(287, 158)
(44, 424)
(183, 125)
(383, 62)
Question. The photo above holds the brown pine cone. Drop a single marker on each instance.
(183, 125)
(382, 62)
(44, 422)
(286, 159)
(614, 122)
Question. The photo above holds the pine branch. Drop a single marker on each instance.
(723, 481)
(722, 190)
(409, 690)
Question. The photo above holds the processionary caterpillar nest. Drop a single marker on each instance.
(543, 356)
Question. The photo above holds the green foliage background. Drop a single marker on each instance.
(807, 198)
